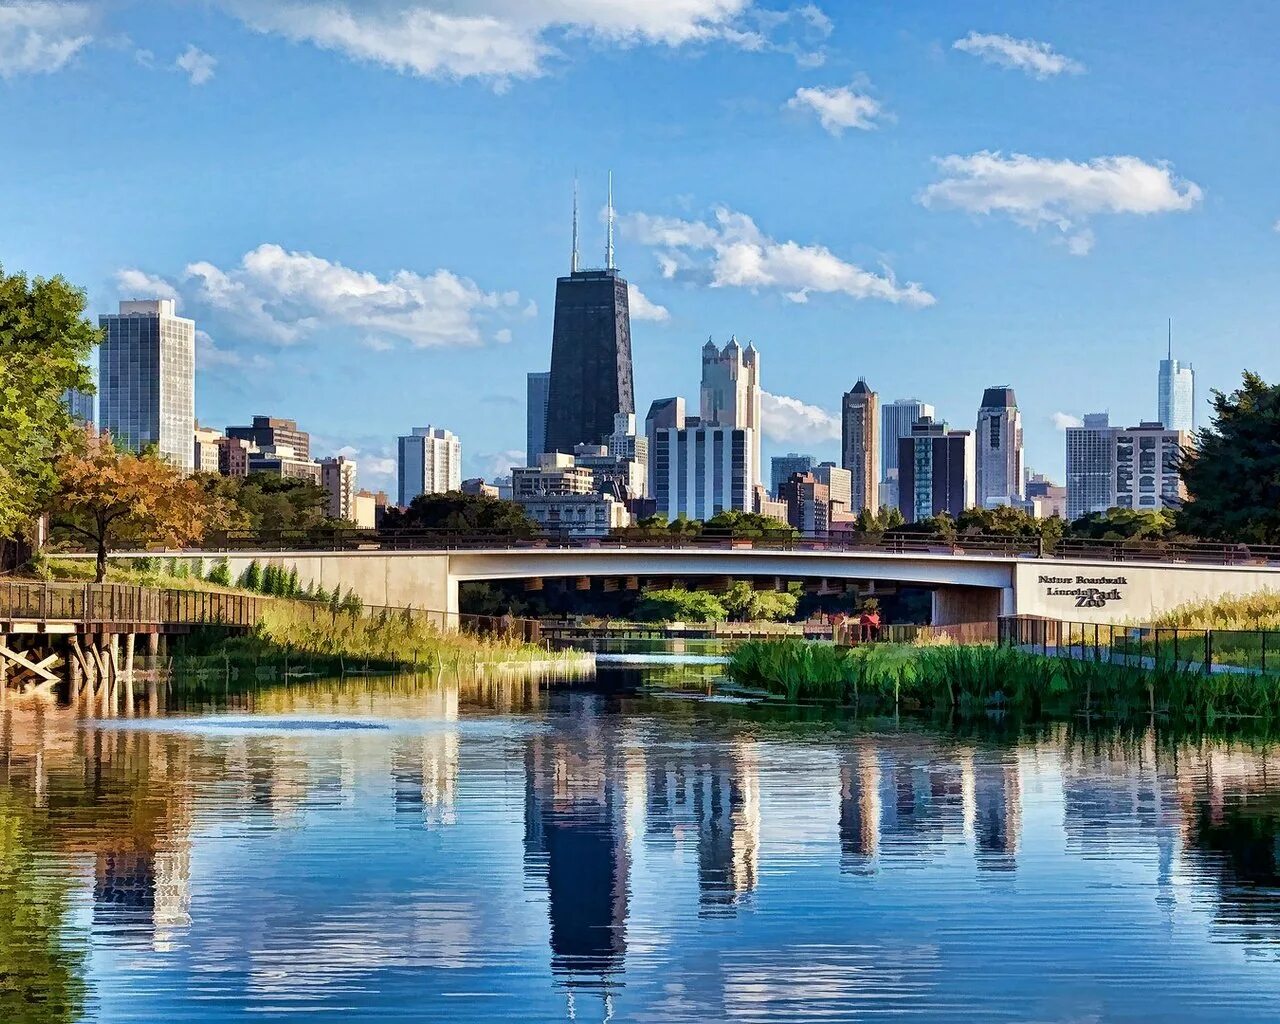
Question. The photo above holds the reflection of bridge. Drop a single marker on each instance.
(972, 579)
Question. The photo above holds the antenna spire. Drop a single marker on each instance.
(608, 246)
(1171, 337)
(573, 262)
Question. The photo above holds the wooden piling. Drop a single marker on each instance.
(129, 641)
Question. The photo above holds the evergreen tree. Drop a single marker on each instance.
(251, 578)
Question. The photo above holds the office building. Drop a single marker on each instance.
(537, 389)
(233, 456)
(429, 461)
(577, 515)
(664, 414)
(1045, 499)
(282, 461)
(783, 467)
(767, 505)
(1176, 392)
(701, 470)
(628, 444)
(206, 449)
(478, 488)
(1146, 461)
(1001, 479)
(79, 404)
(625, 479)
(730, 393)
(839, 484)
(860, 445)
(1091, 466)
(365, 509)
(896, 421)
(147, 379)
(557, 475)
(338, 478)
(935, 471)
(267, 431)
(808, 504)
(590, 352)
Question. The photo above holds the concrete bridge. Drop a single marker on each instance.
(967, 586)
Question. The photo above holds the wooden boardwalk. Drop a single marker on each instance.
(86, 634)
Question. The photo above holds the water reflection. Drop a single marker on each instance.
(498, 851)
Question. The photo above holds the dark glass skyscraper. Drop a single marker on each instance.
(590, 359)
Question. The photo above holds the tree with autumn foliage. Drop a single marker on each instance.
(110, 497)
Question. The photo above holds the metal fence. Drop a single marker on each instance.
(901, 542)
(1197, 650)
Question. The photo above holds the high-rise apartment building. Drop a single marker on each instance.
(1146, 464)
(730, 392)
(860, 445)
(147, 379)
(627, 445)
(429, 461)
(1091, 466)
(338, 478)
(783, 467)
(1001, 479)
(664, 414)
(808, 504)
(272, 431)
(590, 351)
(537, 389)
(1176, 392)
(935, 471)
(700, 470)
(896, 421)
(233, 456)
(840, 485)
(206, 448)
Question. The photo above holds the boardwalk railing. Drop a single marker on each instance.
(120, 604)
(906, 543)
(1198, 650)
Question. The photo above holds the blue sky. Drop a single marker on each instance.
(364, 205)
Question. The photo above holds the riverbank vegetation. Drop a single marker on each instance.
(741, 602)
(981, 680)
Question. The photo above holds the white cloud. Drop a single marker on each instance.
(1033, 57)
(198, 65)
(283, 296)
(210, 356)
(791, 420)
(41, 36)
(1064, 420)
(132, 283)
(1062, 193)
(644, 308)
(838, 108)
(503, 40)
(490, 465)
(734, 252)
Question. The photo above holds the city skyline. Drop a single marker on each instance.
(425, 282)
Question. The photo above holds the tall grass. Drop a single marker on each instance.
(1251, 612)
(975, 680)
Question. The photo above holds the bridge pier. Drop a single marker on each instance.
(955, 606)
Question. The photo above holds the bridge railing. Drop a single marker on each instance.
(1197, 650)
(350, 540)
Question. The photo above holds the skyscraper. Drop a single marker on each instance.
(1146, 464)
(1000, 476)
(860, 445)
(664, 414)
(147, 379)
(896, 420)
(700, 470)
(730, 394)
(590, 352)
(539, 385)
(338, 478)
(1091, 458)
(430, 462)
(782, 467)
(936, 471)
(1176, 394)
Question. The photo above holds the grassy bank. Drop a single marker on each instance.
(977, 680)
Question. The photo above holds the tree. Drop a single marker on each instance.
(464, 513)
(747, 525)
(109, 497)
(1125, 524)
(45, 341)
(680, 606)
(264, 502)
(876, 524)
(1233, 473)
(1007, 521)
(744, 603)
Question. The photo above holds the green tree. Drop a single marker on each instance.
(251, 578)
(743, 603)
(264, 502)
(220, 574)
(1232, 474)
(747, 525)
(1125, 524)
(463, 513)
(45, 341)
(680, 606)
(876, 524)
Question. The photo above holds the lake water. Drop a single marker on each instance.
(475, 851)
